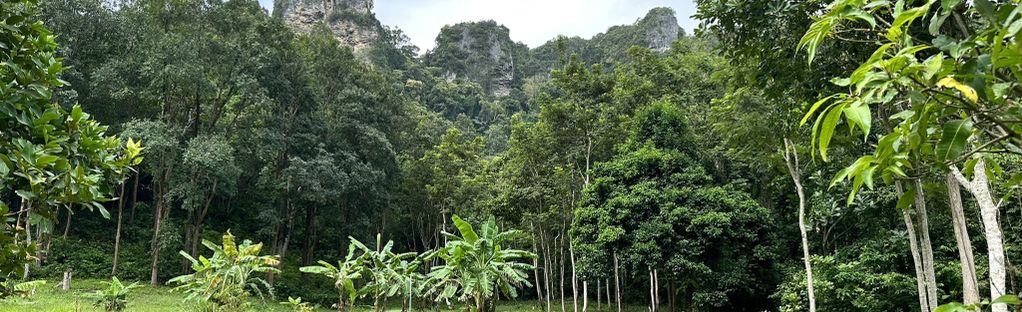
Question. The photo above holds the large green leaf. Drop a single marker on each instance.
(467, 233)
(954, 139)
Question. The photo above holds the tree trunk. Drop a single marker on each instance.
(585, 296)
(927, 246)
(67, 224)
(560, 265)
(157, 221)
(310, 228)
(65, 283)
(617, 283)
(199, 219)
(535, 263)
(652, 291)
(970, 283)
(134, 197)
(607, 282)
(980, 189)
(574, 277)
(917, 263)
(656, 287)
(117, 235)
(794, 169)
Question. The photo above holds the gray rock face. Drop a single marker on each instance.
(481, 52)
(351, 21)
(661, 30)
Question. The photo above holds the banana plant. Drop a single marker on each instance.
(344, 274)
(383, 270)
(227, 278)
(115, 296)
(477, 266)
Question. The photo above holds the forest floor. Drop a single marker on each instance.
(160, 299)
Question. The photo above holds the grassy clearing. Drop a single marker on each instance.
(159, 299)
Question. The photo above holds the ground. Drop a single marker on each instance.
(159, 299)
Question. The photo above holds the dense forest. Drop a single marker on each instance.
(833, 155)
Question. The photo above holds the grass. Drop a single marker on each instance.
(160, 299)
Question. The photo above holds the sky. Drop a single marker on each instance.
(533, 22)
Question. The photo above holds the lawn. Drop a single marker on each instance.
(159, 299)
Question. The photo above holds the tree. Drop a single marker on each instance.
(344, 275)
(49, 157)
(943, 96)
(477, 266)
(659, 209)
(227, 277)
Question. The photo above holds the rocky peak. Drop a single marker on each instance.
(661, 27)
(351, 21)
(481, 52)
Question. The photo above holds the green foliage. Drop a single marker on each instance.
(655, 207)
(114, 297)
(297, 305)
(49, 157)
(941, 94)
(228, 277)
(27, 289)
(477, 266)
(345, 274)
(958, 307)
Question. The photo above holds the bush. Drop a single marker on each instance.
(226, 279)
(114, 297)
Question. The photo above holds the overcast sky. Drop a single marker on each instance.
(533, 22)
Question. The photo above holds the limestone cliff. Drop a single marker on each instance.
(657, 31)
(351, 21)
(481, 52)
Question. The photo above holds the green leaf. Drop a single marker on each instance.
(906, 200)
(1007, 299)
(951, 307)
(827, 129)
(466, 230)
(953, 140)
(986, 9)
(812, 109)
(859, 116)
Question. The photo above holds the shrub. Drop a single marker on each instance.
(114, 297)
(226, 279)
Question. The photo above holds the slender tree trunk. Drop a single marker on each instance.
(980, 189)
(794, 169)
(927, 246)
(617, 282)
(970, 283)
(535, 264)
(656, 287)
(117, 235)
(546, 271)
(585, 296)
(310, 228)
(134, 197)
(607, 282)
(157, 222)
(574, 277)
(652, 291)
(67, 224)
(199, 219)
(560, 265)
(917, 261)
(599, 306)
